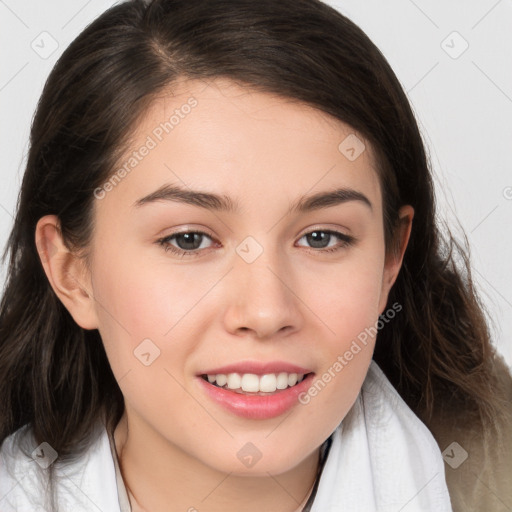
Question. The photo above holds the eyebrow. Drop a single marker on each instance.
(223, 203)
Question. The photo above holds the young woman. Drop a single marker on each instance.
(226, 287)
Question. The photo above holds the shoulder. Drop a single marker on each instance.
(25, 470)
(478, 464)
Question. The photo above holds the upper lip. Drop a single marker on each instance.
(258, 368)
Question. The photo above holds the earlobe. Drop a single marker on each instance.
(66, 272)
(395, 257)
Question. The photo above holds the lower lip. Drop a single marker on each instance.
(257, 407)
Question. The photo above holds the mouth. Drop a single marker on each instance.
(255, 396)
(253, 384)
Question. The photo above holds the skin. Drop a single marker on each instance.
(295, 302)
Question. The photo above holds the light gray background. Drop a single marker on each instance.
(462, 100)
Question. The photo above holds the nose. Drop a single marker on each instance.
(262, 297)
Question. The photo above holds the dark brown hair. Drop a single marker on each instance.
(54, 375)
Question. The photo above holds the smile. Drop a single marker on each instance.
(250, 403)
(252, 383)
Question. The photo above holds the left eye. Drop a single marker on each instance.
(187, 241)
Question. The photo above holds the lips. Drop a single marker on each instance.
(256, 406)
(257, 368)
(254, 389)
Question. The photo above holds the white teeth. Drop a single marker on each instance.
(234, 380)
(268, 383)
(292, 379)
(252, 383)
(282, 381)
(221, 379)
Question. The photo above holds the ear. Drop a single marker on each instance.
(395, 257)
(66, 272)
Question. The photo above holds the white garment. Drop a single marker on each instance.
(382, 459)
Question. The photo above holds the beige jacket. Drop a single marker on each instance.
(478, 472)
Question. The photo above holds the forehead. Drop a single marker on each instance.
(232, 139)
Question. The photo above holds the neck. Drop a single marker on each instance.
(161, 477)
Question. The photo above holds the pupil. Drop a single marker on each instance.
(190, 240)
(316, 238)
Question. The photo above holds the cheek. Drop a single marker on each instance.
(347, 303)
(146, 299)
(129, 306)
(148, 307)
(346, 295)
(139, 313)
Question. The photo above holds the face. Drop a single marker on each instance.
(257, 281)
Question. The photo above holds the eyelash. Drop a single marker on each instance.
(346, 240)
